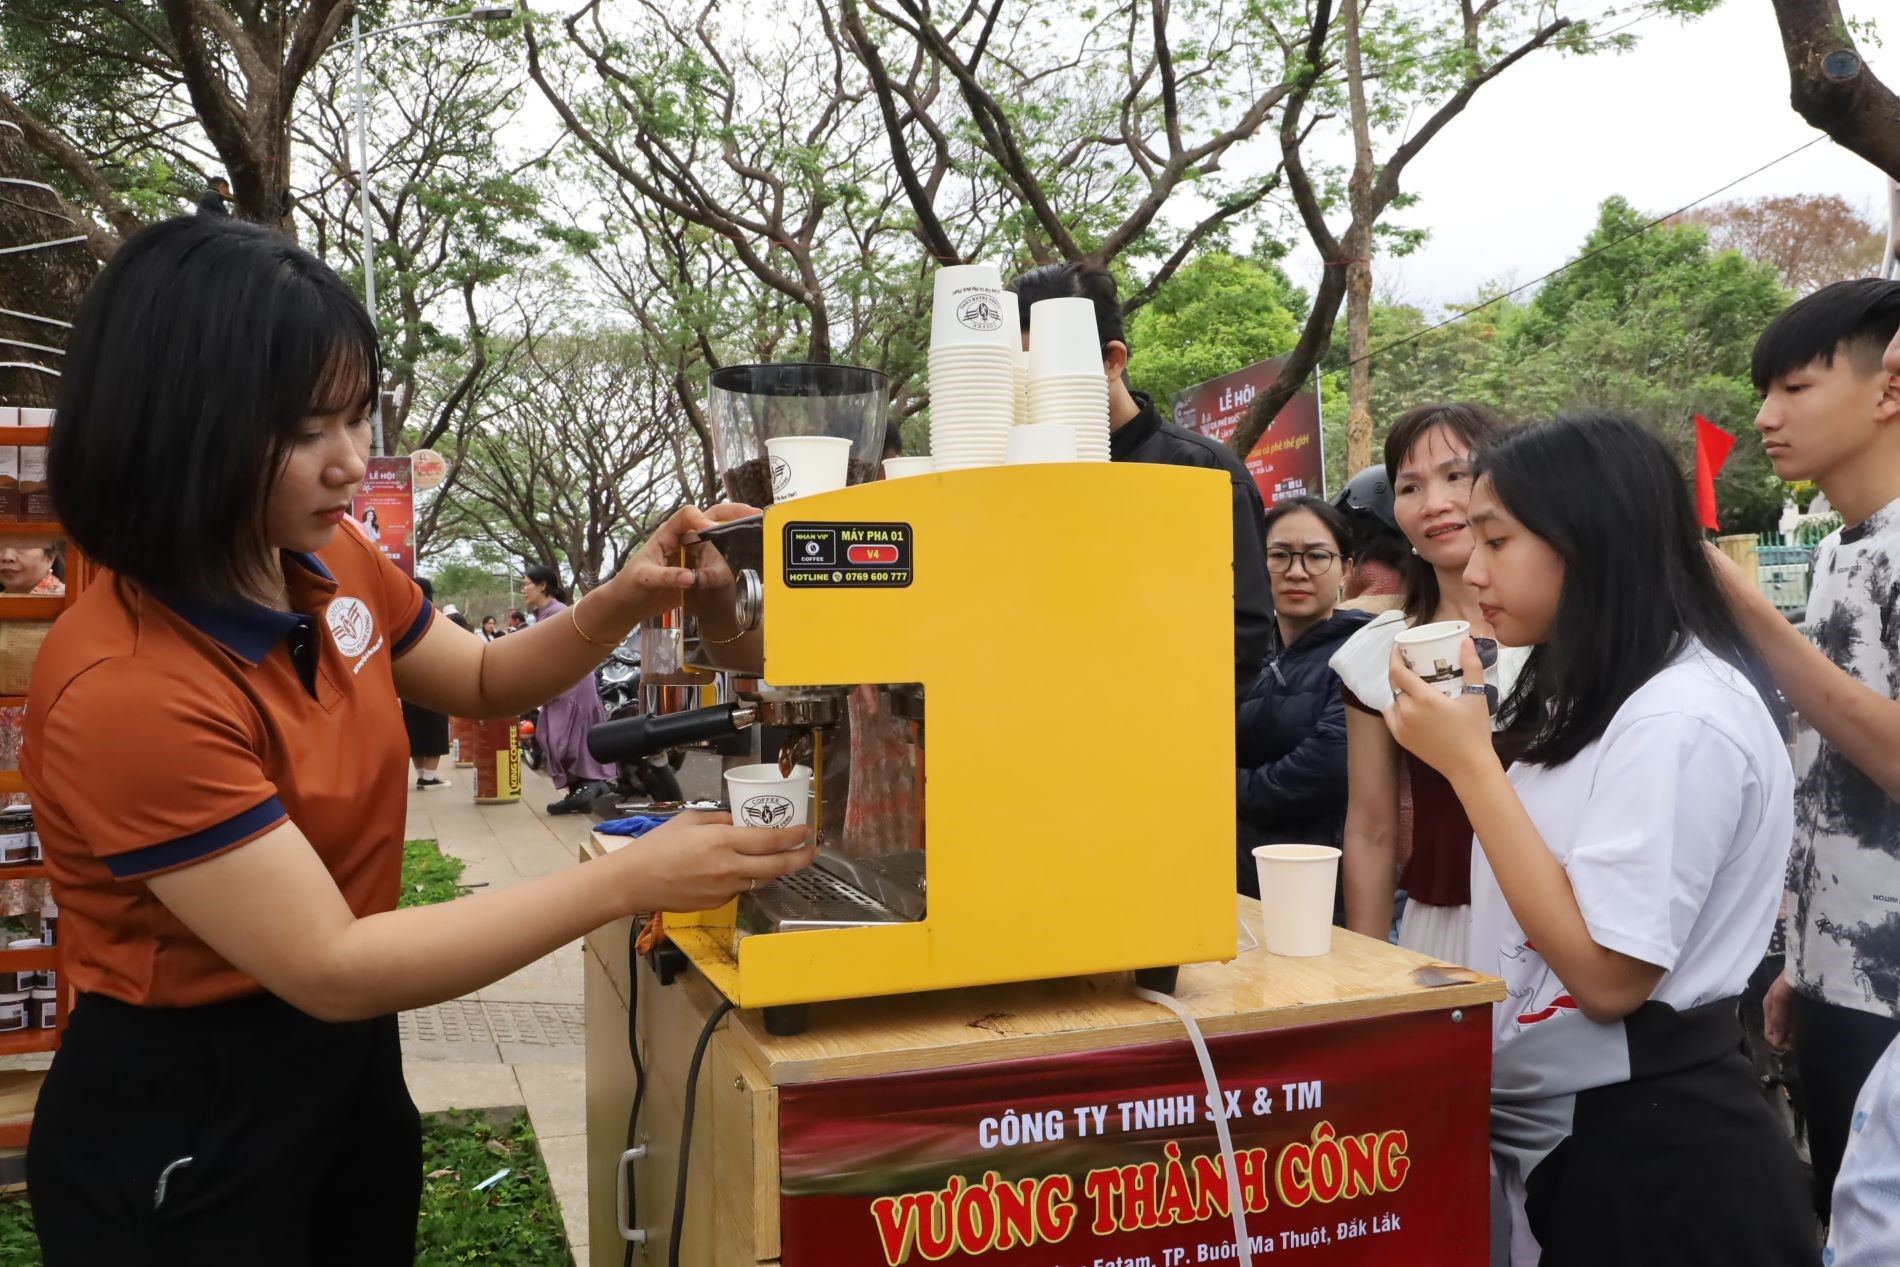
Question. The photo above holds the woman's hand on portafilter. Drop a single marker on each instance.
(700, 861)
(654, 567)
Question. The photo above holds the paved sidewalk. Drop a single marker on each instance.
(519, 1041)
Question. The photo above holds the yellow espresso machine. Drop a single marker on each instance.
(1055, 645)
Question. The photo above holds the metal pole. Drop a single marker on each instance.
(369, 240)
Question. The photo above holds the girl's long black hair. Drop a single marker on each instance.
(1605, 494)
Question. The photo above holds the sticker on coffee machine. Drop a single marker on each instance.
(847, 556)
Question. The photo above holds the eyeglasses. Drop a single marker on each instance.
(1318, 562)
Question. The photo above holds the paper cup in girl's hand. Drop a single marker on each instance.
(804, 465)
(1436, 653)
(762, 797)
(1296, 897)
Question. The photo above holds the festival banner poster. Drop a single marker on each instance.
(1357, 1144)
(1289, 460)
(385, 509)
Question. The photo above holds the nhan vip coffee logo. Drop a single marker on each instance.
(982, 312)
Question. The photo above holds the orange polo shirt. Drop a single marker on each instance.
(162, 732)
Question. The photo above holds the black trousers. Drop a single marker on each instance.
(1835, 1049)
(237, 1133)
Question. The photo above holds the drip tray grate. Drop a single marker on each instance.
(810, 899)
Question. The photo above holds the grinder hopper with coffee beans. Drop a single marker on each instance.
(1045, 631)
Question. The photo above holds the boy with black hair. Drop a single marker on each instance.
(1138, 433)
(1830, 413)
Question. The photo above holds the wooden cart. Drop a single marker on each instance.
(801, 1145)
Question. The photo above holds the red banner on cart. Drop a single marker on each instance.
(385, 509)
(1288, 459)
(1356, 1143)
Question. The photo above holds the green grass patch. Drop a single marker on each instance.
(512, 1223)
(428, 875)
(18, 1245)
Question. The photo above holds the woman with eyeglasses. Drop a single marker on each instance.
(1291, 739)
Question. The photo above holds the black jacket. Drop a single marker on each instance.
(1291, 746)
(1146, 438)
(211, 203)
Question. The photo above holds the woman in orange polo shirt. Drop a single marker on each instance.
(217, 759)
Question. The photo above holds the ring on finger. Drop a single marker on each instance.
(752, 884)
(1474, 690)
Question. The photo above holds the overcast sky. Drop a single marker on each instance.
(1511, 187)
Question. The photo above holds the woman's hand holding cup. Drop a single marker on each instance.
(1452, 735)
(700, 861)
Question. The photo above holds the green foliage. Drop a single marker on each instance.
(1659, 327)
(1216, 314)
(515, 1223)
(428, 876)
(19, 1247)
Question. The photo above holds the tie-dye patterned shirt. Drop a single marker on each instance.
(1843, 913)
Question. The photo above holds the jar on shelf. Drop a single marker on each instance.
(16, 835)
(43, 1009)
(13, 1011)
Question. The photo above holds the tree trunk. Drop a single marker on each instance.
(46, 283)
(1831, 86)
(1358, 246)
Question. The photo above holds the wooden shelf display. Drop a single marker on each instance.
(19, 1089)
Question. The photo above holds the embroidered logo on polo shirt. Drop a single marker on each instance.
(351, 625)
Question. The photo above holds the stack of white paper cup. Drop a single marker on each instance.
(1019, 372)
(1041, 442)
(1066, 382)
(973, 353)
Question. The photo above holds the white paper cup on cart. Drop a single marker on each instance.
(1063, 339)
(903, 468)
(804, 465)
(762, 797)
(967, 308)
(1296, 898)
(1048, 442)
(1436, 653)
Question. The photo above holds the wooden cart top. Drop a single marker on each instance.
(1256, 991)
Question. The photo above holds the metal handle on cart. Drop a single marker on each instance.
(633, 1235)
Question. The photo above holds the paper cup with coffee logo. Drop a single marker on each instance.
(1436, 653)
(762, 797)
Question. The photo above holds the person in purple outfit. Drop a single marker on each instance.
(566, 719)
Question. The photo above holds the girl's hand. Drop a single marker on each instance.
(700, 861)
(1453, 736)
(651, 580)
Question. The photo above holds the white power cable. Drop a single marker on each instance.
(29, 365)
(1217, 1106)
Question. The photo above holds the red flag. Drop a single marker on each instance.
(1712, 445)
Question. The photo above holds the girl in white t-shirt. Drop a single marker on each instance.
(1628, 863)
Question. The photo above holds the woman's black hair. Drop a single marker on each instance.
(1475, 426)
(196, 358)
(548, 579)
(427, 587)
(1325, 512)
(1074, 281)
(1605, 494)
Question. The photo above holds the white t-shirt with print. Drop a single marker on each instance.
(1674, 830)
(1844, 877)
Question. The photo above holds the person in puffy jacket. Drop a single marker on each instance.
(1291, 741)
